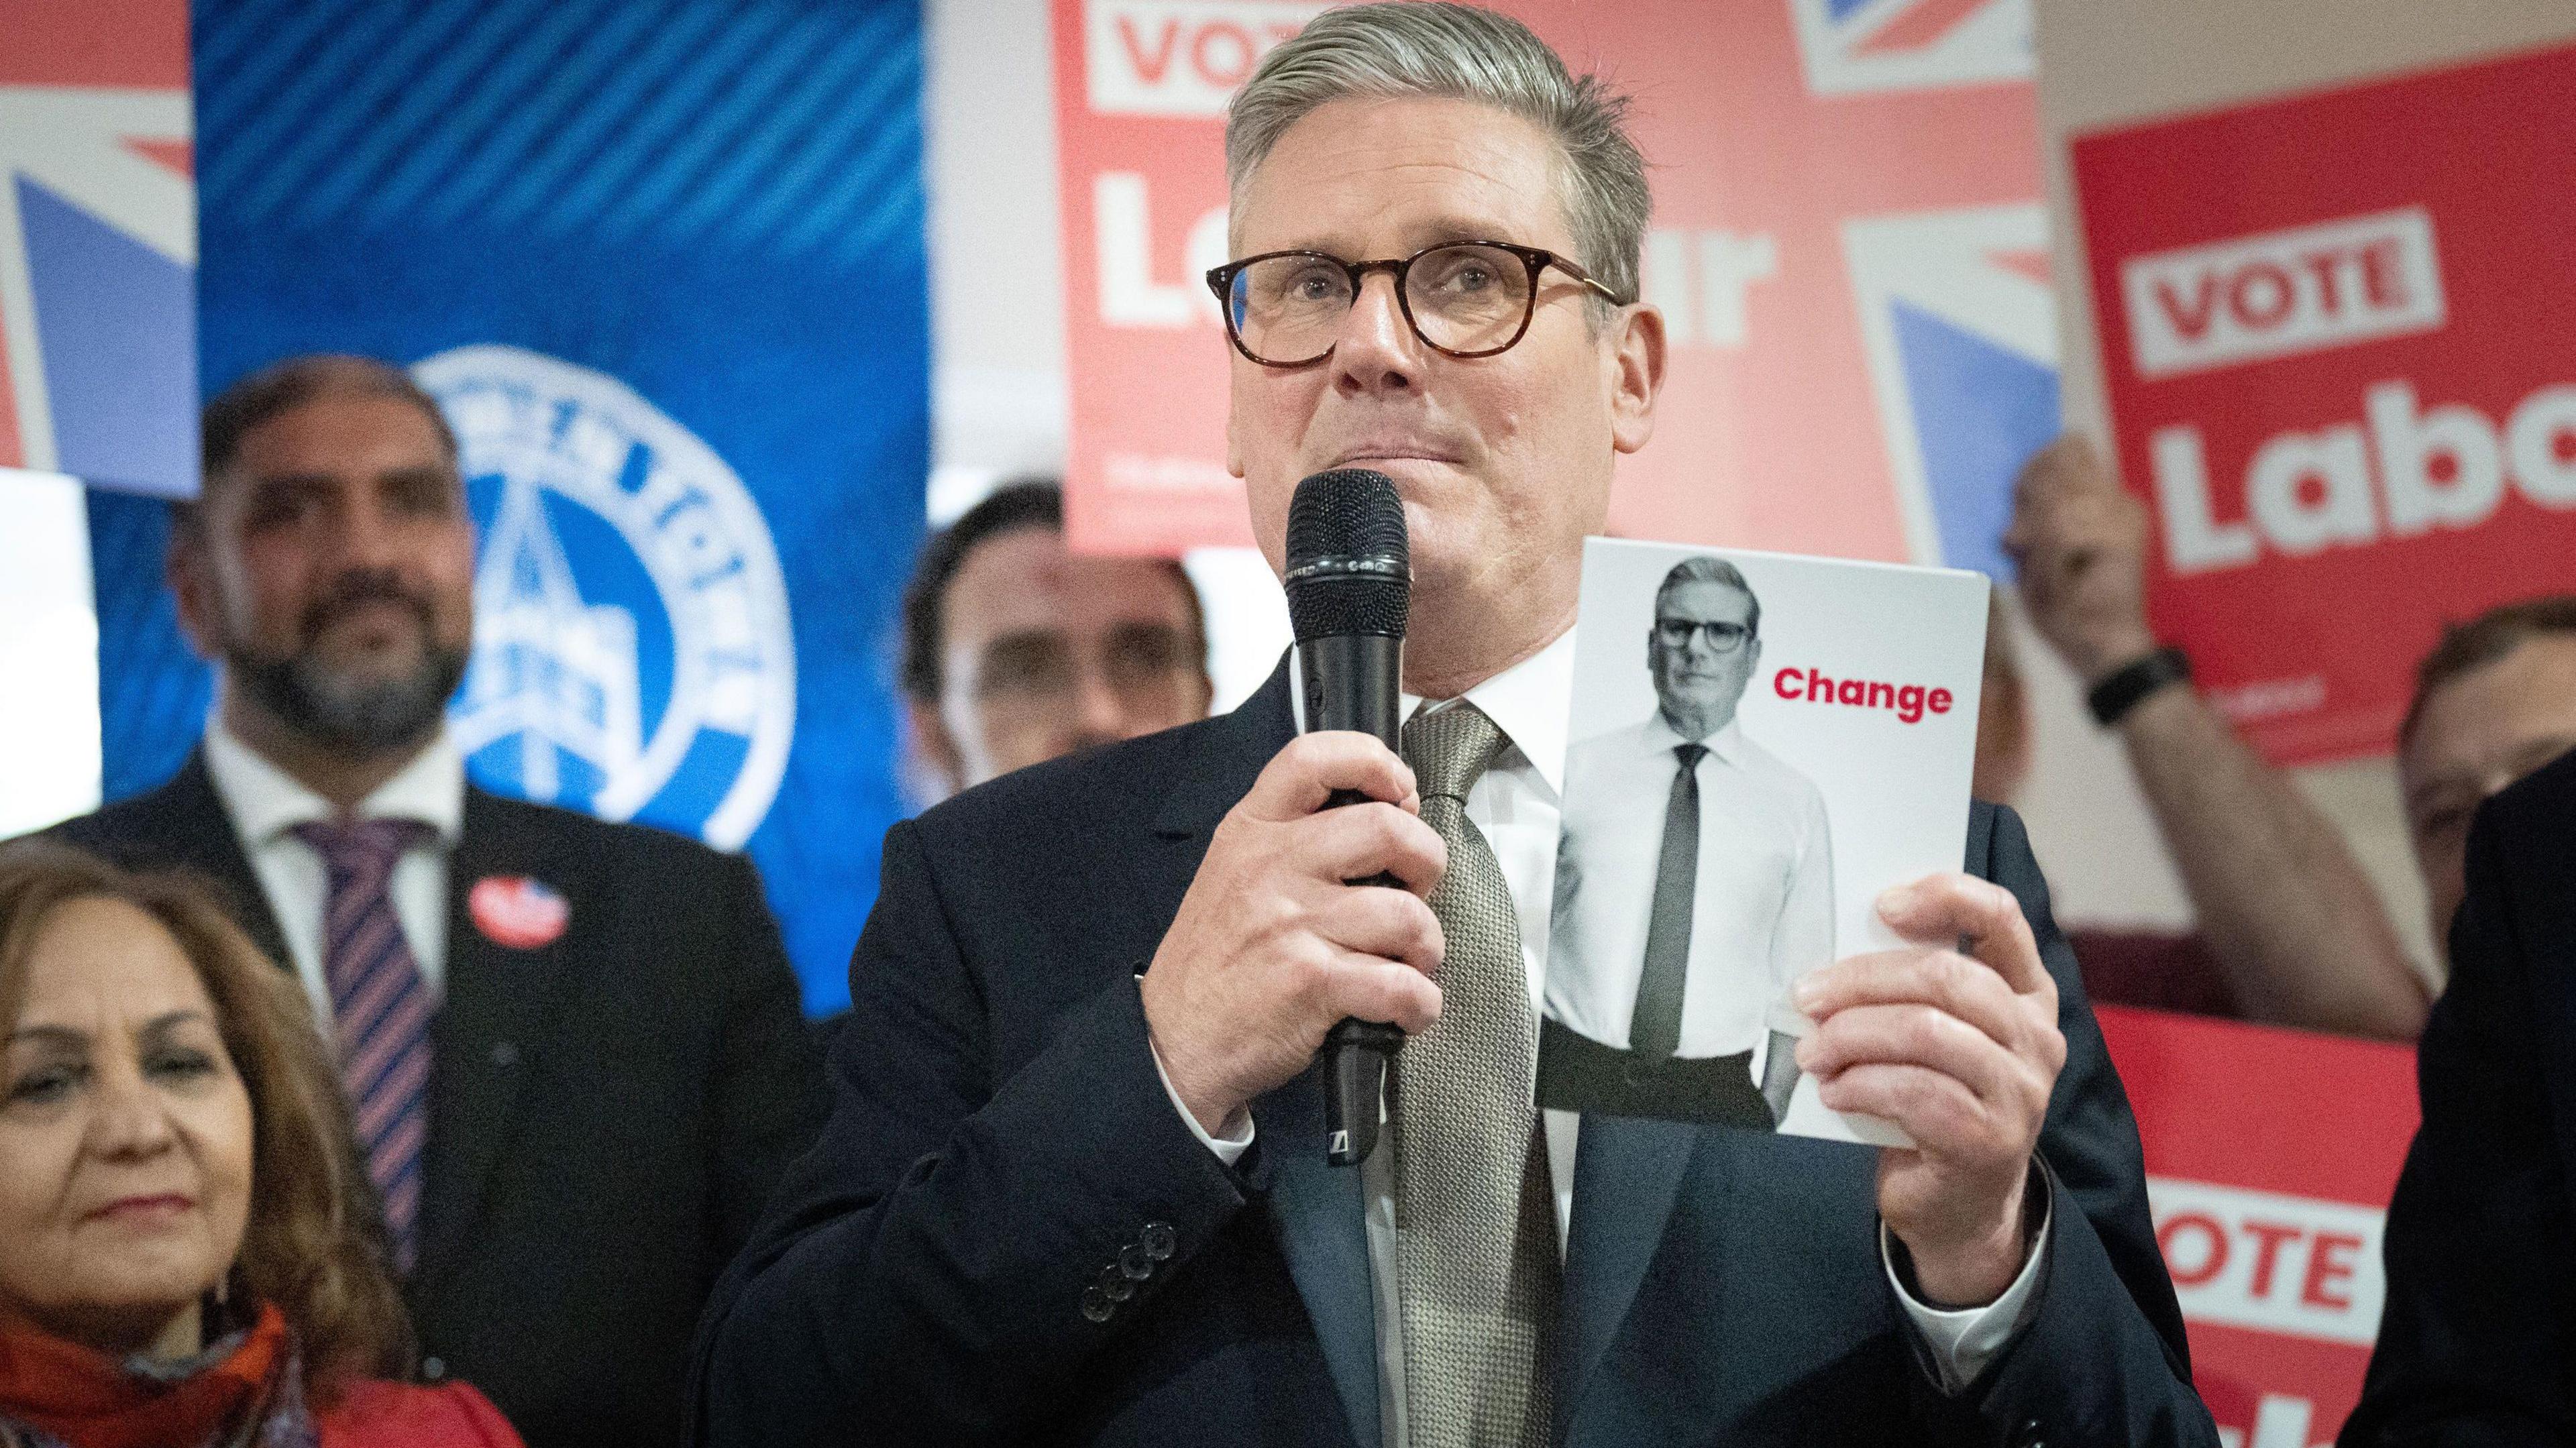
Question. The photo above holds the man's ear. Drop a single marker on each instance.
(931, 743)
(186, 568)
(1637, 377)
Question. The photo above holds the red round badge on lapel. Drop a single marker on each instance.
(517, 911)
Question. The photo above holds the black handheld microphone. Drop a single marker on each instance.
(1350, 583)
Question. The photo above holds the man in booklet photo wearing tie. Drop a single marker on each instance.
(574, 1049)
(1075, 1186)
(1694, 885)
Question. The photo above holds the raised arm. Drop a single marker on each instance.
(2297, 927)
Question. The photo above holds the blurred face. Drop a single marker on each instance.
(1503, 462)
(1701, 652)
(2477, 734)
(125, 1135)
(1046, 653)
(333, 573)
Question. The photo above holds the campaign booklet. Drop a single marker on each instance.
(1760, 744)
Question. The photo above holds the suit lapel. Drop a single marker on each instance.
(1628, 1175)
(1316, 1211)
(497, 1009)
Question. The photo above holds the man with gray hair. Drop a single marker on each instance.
(1694, 886)
(1076, 1188)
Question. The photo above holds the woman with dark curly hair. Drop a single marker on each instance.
(189, 1257)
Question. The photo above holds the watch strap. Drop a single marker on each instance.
(2125, 687)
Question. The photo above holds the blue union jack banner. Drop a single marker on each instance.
(662, 263)
(98, 243)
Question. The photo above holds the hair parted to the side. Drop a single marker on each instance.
(1704, 569)
(314, 1243)
(2468, 647)
(282, 387)
(1433, 48)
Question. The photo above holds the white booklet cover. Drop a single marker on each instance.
(1828, 712)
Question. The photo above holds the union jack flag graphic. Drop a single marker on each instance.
(1874, 168)
(1852, 46)
(98, 243)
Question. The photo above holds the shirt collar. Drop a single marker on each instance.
(1529, 702)
(1727, 743)
(266, 801)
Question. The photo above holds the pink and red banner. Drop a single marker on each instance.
(2271, 1156)
(1848, 247)
(2341, 359)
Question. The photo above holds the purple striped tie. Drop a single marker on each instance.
(380, 1010)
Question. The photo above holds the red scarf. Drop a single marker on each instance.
(89, 1400)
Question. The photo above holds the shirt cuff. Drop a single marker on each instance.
(1229, 1147)
(1965, 1340)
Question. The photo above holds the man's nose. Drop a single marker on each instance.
(1103, 715)
(368, 541)
(1377, 350)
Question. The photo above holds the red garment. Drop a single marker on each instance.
(398, 1415)
(86, 1397)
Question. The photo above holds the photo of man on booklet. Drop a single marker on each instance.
(1739, 895)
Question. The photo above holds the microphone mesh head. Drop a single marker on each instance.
(1349, 569)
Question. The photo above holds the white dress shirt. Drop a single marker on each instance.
(1762, 905)
(266, 804)
(1516, 805)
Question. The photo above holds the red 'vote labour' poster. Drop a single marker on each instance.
(2340, 352)
(2271, 1156)
(1848, 248)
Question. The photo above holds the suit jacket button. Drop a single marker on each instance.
(2030, 1435)
(1096, 1305)
(1114, 1285)
(433, 1368)
(1133, 1261)
(1160, 1241)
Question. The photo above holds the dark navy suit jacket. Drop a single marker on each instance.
(2477, 1341)
(1002, 1140)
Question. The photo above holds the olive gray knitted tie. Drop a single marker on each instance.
(1475, 1226)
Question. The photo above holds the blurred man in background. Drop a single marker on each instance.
(2495, 700)
(574, 1048)
(2297, 932)
(1016, 650)
(2290, 930)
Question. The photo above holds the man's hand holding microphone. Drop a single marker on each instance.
(1271, 948)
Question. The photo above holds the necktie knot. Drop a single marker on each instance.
(359, 849)
(1450, 748)
(1690, 755)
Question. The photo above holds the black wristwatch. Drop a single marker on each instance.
(2125, 687)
